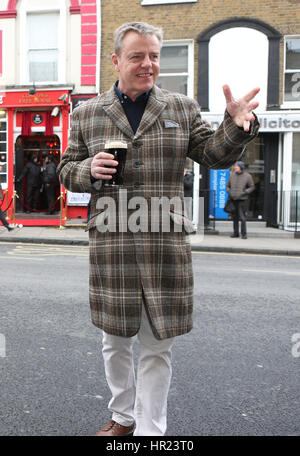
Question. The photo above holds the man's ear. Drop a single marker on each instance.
(115, 60)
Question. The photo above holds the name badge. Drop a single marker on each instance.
(170, 124)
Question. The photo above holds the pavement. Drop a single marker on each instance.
(261, 239)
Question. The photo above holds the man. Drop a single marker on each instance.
(32, 171)
(2, 216)
(141, 283)
(49, 179)
(240, 184)
(188, 185)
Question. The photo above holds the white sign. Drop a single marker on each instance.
(78, 199)
(272, 121)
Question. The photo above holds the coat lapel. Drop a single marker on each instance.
(156, 104)
(115, 112)
(113, 108)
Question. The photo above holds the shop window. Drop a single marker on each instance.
(43, 50)
(176, 67)
(292, 70)
(3, 149)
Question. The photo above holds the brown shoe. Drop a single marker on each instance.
(114, 429)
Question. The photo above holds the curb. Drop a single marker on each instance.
(51, 241)
(195, 247)
(282, 252)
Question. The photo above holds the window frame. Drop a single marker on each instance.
(62, 34)
(190, 64)
(288, 104)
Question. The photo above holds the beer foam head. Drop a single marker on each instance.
(115, 145)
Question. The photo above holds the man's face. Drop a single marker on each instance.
(237, 169)
(137, 64)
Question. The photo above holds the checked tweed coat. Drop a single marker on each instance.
(128, 268)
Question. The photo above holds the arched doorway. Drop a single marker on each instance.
(26, 147)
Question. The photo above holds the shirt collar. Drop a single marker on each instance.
(125, 98)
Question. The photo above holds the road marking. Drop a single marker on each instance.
(43, 251)
(21, 258)
(270, 271)
(270, 255)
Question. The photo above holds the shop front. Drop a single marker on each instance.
(273, 160)
(34, 129)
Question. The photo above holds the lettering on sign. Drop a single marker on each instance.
(35, 99)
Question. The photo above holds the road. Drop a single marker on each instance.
(236, 373)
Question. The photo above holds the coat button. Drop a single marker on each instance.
(137, 164)
(137, 185)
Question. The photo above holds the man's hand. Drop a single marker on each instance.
(99, 164)
(241, 110)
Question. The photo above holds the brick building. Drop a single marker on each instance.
(245, 43)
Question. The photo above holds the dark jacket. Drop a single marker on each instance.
(49, 174)
(32, 171)
(239, 185)
(188, 182)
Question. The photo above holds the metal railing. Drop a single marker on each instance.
(289, 210)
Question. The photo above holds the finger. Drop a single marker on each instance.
(227, 93)
(249, 96)
(253, 105)
(104, 155)
(246, 125)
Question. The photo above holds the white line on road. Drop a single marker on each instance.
(270, 271)
(14, 257)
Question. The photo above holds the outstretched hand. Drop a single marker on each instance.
(241, 110)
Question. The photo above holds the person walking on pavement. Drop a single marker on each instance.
(188, 183)
(32, 171)
(49, 180)
(141, 282)
(2, 216)
(240, 184)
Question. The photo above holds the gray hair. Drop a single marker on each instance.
(139, 27)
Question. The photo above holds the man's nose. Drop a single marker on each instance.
(146, 61)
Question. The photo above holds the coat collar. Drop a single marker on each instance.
(112, 107)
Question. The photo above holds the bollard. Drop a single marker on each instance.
(61, 227)
(15, 195)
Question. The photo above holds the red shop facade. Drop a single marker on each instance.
(34, 123)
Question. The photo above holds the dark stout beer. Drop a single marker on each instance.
(118, 149)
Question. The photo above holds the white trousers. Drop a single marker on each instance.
(142, 398)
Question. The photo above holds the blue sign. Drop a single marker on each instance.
(218, 193)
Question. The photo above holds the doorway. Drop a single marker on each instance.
(261, 159)
(25, 148)
(254, 159)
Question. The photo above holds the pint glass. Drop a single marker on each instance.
(118, 149)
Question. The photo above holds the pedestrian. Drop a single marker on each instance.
(3, 220)
(240, 184)
(49, 177)
(188, 184)
(141, 283)
(32, 171)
